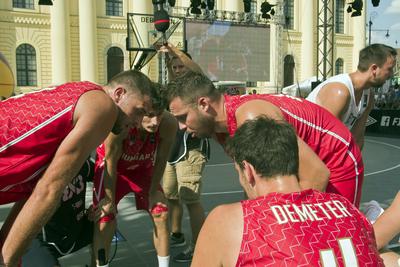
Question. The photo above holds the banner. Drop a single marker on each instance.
(384, 122)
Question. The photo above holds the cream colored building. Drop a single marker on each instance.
(80, 39)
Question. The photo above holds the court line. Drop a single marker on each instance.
(384, 170)
(222, 193)
(219, 164)
(241, 191)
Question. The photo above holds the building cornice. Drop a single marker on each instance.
(342, 39)
(24, 18)
(112, 24)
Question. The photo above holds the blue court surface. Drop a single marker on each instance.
(220, 185)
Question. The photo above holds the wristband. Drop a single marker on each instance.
(107, 218)
(158, 209)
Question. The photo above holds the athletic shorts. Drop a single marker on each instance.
(140, 187)
(183, 180)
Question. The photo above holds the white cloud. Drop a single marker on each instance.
(394, 7)
(395, 26)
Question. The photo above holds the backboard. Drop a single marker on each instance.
(142, 36)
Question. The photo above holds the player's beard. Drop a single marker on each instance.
(377, 84)
(120, 123)
(207, 126)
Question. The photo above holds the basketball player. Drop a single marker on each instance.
(281, 225)
(135, 162)
(350, 96)
(329, 158)
(46, 136)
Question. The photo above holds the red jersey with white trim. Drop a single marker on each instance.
(135, 167)
(32, 126)
(325, 135)
(307, 228)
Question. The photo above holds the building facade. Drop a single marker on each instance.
(86, 39)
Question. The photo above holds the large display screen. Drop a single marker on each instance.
(230, 52)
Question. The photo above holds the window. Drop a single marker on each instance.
(115, 62)
(26, 65)
(288, 11)
(339, 16)
(339, 66)
(24, 4)
(114, 8)
(288, 71)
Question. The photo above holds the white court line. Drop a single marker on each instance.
(384, 170)
(367, 174)
(219, 164)
(222, 193)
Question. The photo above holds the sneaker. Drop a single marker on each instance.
(177, 240)
(373, 210)
(184, 256)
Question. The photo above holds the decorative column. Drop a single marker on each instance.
(60, 42)
(88, 40)
(232, 5)
(359, 39)
(185, 3)
(308, 41)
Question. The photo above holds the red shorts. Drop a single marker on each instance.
(139, 186)
(349, 185)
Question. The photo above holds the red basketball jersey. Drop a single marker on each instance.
(307, 228)
(32, 126)
(327, 136)
(135, 167)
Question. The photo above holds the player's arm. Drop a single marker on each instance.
(220, 237)
(167, 130)
(5, 228)
(113, 150)
(388, 224)
(187, 62)
(335, 97)
(94, 117)
(358, 129)
(313, 172)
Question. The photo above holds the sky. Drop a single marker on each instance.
(384, 17)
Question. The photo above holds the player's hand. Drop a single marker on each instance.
(105, 207)
(2, 264)
(92, 213)
(169, 49)
(157, 203)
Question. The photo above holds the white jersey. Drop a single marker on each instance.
(354, 111)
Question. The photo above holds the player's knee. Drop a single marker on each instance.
(159, 212)
(160, 218)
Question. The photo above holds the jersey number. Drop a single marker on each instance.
(328, 258)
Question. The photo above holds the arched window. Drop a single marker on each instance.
(339, 66)
(26, 65)
(115, 61)
(114, 8)
(339, 16)
(288, 71)
(288, 11)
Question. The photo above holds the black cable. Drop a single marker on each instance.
(115, 249)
